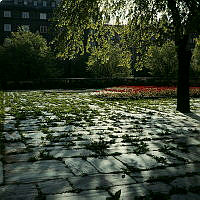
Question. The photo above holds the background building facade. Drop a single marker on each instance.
(33, 15)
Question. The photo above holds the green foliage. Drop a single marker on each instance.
(25, 56)
(116, 64)
(196, 59)
(162, 61)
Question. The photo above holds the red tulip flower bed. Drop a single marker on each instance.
(143, 92)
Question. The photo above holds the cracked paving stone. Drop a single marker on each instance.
(85, 195)
(17, 147)
(79, 166)
(55, 186)
(106, 165)
(28, 172)
(18, 192)
(139, 161)
(101, 181)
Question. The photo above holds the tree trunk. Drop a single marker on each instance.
(184, 59)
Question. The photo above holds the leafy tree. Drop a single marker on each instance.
(115, 64)
(196, 59)
(25, 56)
(74, 18)
(162, 61)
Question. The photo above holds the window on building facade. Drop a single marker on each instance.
(43, 29)
(7, 13)
(44, 3)
(25, 2)
(25, 15)
(43, 16)
(35, 3)
(7, 27)
(26, 27)
(53, 4)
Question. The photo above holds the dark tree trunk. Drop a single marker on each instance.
(184, 59)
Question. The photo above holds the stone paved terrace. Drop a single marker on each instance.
(71, 146)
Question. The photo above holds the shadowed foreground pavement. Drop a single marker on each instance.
(74, 147)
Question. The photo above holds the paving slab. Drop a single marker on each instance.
(33, 134)
(79, 166)
(158, 187)
(1, 172)
(166, 159)
(189, 156)
(29, 172)
(28, 128)
(17, 147)
(166, 173)
(187, 196)
(138, 161)
(55, 186)
(67, 153)
(87, 195)
(22, 157)
(10, 126)
(106, 165)
(62, 128)
(130, 192)
(18, 192)
(100, 181)
(186, 182)
(13, 136)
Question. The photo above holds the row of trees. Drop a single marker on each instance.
(26, 55)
